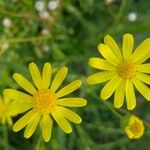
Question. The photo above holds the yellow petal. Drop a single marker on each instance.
(108, 54)
(69, 114)
(17, 95)
(32, 125)
(102, 64)
(69, 88)
(119, 94)
(142, 52)
(9, 120)
(128, 44)
(143, 77)
(142, 88)
(46, 75)
(62, 122)
(35, 74)
(100, 77)
(3, 120)
(60, 76)
(24, 83)
(108, 40)
(110, 87)
(23, 121)
(47, 125)
(72, 102)
(129, 133)
(130, 95)
(18, 108)
(145, 68)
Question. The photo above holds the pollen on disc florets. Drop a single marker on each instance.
(44, 101)
(126, 70)
(136, 127)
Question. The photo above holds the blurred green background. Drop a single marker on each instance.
(67, 32)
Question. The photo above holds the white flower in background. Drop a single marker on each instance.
(46, 48)
(14, 1)
(132, 16)
(52, 5)
(39, 5)
(7, 22)
(44, 15)
(45, 32)
(107, 2)
(5, 46)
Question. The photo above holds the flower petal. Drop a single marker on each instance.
(110, 87)
(46, 75)
(145, 68)
(100, 77)
(128, 44)
(69, 114)
(119, 94)
(108, 40)
(130, 95)
(24, 83)
(32, 125)
(69, 88)
(46, 125)
(60, 76)
(35, 74)
(108, 54)
(142, 52)
(72, 102)
(62, 122)
(9, 120)
(23, 121)
(142, 88)
(129, 133)
(18, 108)
(17, 95)
(143, 77)
(102, 64)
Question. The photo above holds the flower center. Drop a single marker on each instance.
(126, 70)
(44, 101)
(136, 128)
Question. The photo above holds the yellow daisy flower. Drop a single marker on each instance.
(123, 69)
(45, 101)
(5, 105)
(134, 128)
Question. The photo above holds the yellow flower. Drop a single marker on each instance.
(5, 105)
(134, 128)
(45, 101)
(123, 69)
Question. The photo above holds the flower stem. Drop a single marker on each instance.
(38, 144)
(27, 39)
(110, 106)
(5, 135)
(112, 109)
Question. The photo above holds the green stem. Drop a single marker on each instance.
(112, 109)
(121, 11)
(38, 144)
(110, 106)
(118, 17)
(27, 39)
(5, 134)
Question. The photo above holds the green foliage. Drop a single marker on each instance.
(75, 28)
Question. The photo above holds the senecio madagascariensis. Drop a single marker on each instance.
(123, 69)
(5, 108)
(45, 101)
(134, 127)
